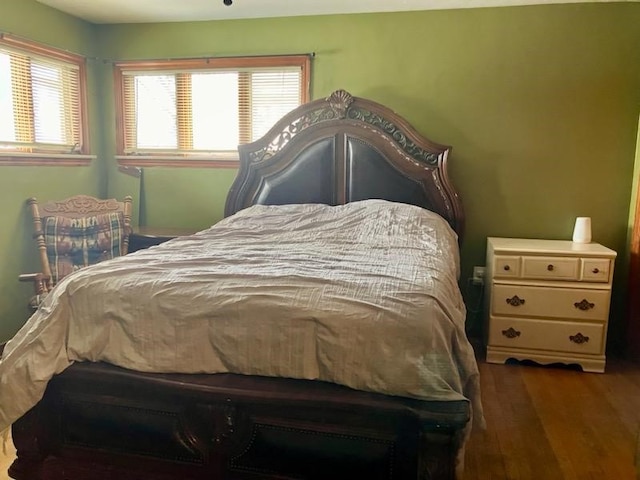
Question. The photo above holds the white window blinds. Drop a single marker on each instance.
(205, 110)
(40, 100)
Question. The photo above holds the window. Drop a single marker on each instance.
(197, 111)
(41, 102)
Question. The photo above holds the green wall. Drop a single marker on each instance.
(32, 20)
(540, 104)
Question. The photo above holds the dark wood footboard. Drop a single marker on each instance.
(99, 422)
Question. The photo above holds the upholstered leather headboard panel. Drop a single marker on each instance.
(371, 175)
(343, 149)
(292, 184)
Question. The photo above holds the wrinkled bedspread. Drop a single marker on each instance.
(364, 295)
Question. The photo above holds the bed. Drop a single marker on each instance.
(267, 412)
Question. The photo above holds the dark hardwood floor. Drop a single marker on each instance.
(548, 423)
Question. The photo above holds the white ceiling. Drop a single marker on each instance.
(144, 11)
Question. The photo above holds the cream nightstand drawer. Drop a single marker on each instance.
(573, 337)
(553, 302)
(550, 268)
(595, 269)
(506, 267)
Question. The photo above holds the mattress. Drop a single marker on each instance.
(364, 295)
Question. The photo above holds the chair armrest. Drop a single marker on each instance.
(29, 277)
(40, 281)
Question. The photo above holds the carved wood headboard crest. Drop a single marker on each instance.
(355, 148)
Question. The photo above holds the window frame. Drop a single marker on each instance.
(216, 160)
(42, 157)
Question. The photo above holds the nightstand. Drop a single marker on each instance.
(145, 237)
(547, 301)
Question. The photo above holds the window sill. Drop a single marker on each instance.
(45, 159)
(176, 161)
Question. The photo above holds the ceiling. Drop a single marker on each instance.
(145, 11)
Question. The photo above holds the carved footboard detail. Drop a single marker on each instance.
(26, 435)
(110, 424)
(129, 429)
(439, 448)
(299, 452)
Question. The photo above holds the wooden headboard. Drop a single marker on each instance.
(343, 149)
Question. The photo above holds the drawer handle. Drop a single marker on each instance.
(595, 270)
(584, 305)
(511, 333)
(507, 268)
(515, 301)
(578, 338)
(550, 267)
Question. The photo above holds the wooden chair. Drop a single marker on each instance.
(74, 233)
